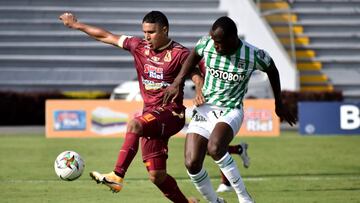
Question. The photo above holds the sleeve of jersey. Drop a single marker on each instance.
(202, 67)
(200, 45)
(184, 56)
(262, 59)
(127, 42)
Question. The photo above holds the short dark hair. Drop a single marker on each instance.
(156, 17)
(227, 24)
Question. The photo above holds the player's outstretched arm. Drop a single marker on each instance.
(280, 109)
(97, 33)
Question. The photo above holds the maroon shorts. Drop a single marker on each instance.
(158, 126)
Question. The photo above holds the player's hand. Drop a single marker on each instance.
(199, 97)
(68, 19)
(170, 93)
(285, 114)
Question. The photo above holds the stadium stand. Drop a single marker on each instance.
(326, 39)
(38, 53)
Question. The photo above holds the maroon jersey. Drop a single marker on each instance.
(155, 69)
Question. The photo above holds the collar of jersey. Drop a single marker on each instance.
(163, 47)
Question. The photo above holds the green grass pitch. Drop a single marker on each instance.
(286, 169)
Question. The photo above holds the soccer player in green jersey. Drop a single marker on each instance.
(229, 63)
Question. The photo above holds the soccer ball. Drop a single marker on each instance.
(69, 165)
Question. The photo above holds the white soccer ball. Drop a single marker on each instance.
(69, 165)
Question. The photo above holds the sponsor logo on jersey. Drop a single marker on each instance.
(154, 72)
(154, 58)
(241, 65)
(224, 75)
(151, 85)
(147, 117)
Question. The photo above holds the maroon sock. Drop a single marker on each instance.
(224, 180)
(127, 153)
(171, 190)
(235, 149)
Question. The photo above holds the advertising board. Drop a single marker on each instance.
(329, 118)
(108, 118)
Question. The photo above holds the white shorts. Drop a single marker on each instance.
(206, 116)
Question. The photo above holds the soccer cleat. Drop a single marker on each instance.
(246, 200)
(224, 188)
(244, 156)
(193, 200)
(245, 197)
(114, 182)
(97, 176)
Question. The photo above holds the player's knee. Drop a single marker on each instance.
(193, 166)
(157, 177)
(215, 151)
(134, 126)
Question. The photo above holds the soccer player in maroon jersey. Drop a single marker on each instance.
(158, 60)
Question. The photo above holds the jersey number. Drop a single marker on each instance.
(217, 114)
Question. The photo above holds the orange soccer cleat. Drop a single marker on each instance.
(114, 182)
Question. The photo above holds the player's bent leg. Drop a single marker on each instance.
(157, 176)
(244, 155)
(114, 182)
(154, 153)
(130, 147)
(230, 170)
(166, 183)
(195, 151)
(241, 149)
(172, 191)
(220, 138)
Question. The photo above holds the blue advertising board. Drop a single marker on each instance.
(69, 120)
(329, 118)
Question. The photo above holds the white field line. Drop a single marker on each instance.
(248, 179)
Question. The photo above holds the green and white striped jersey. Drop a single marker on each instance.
(227, 76)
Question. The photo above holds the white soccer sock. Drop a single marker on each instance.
(231, 172)
(203, 185)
